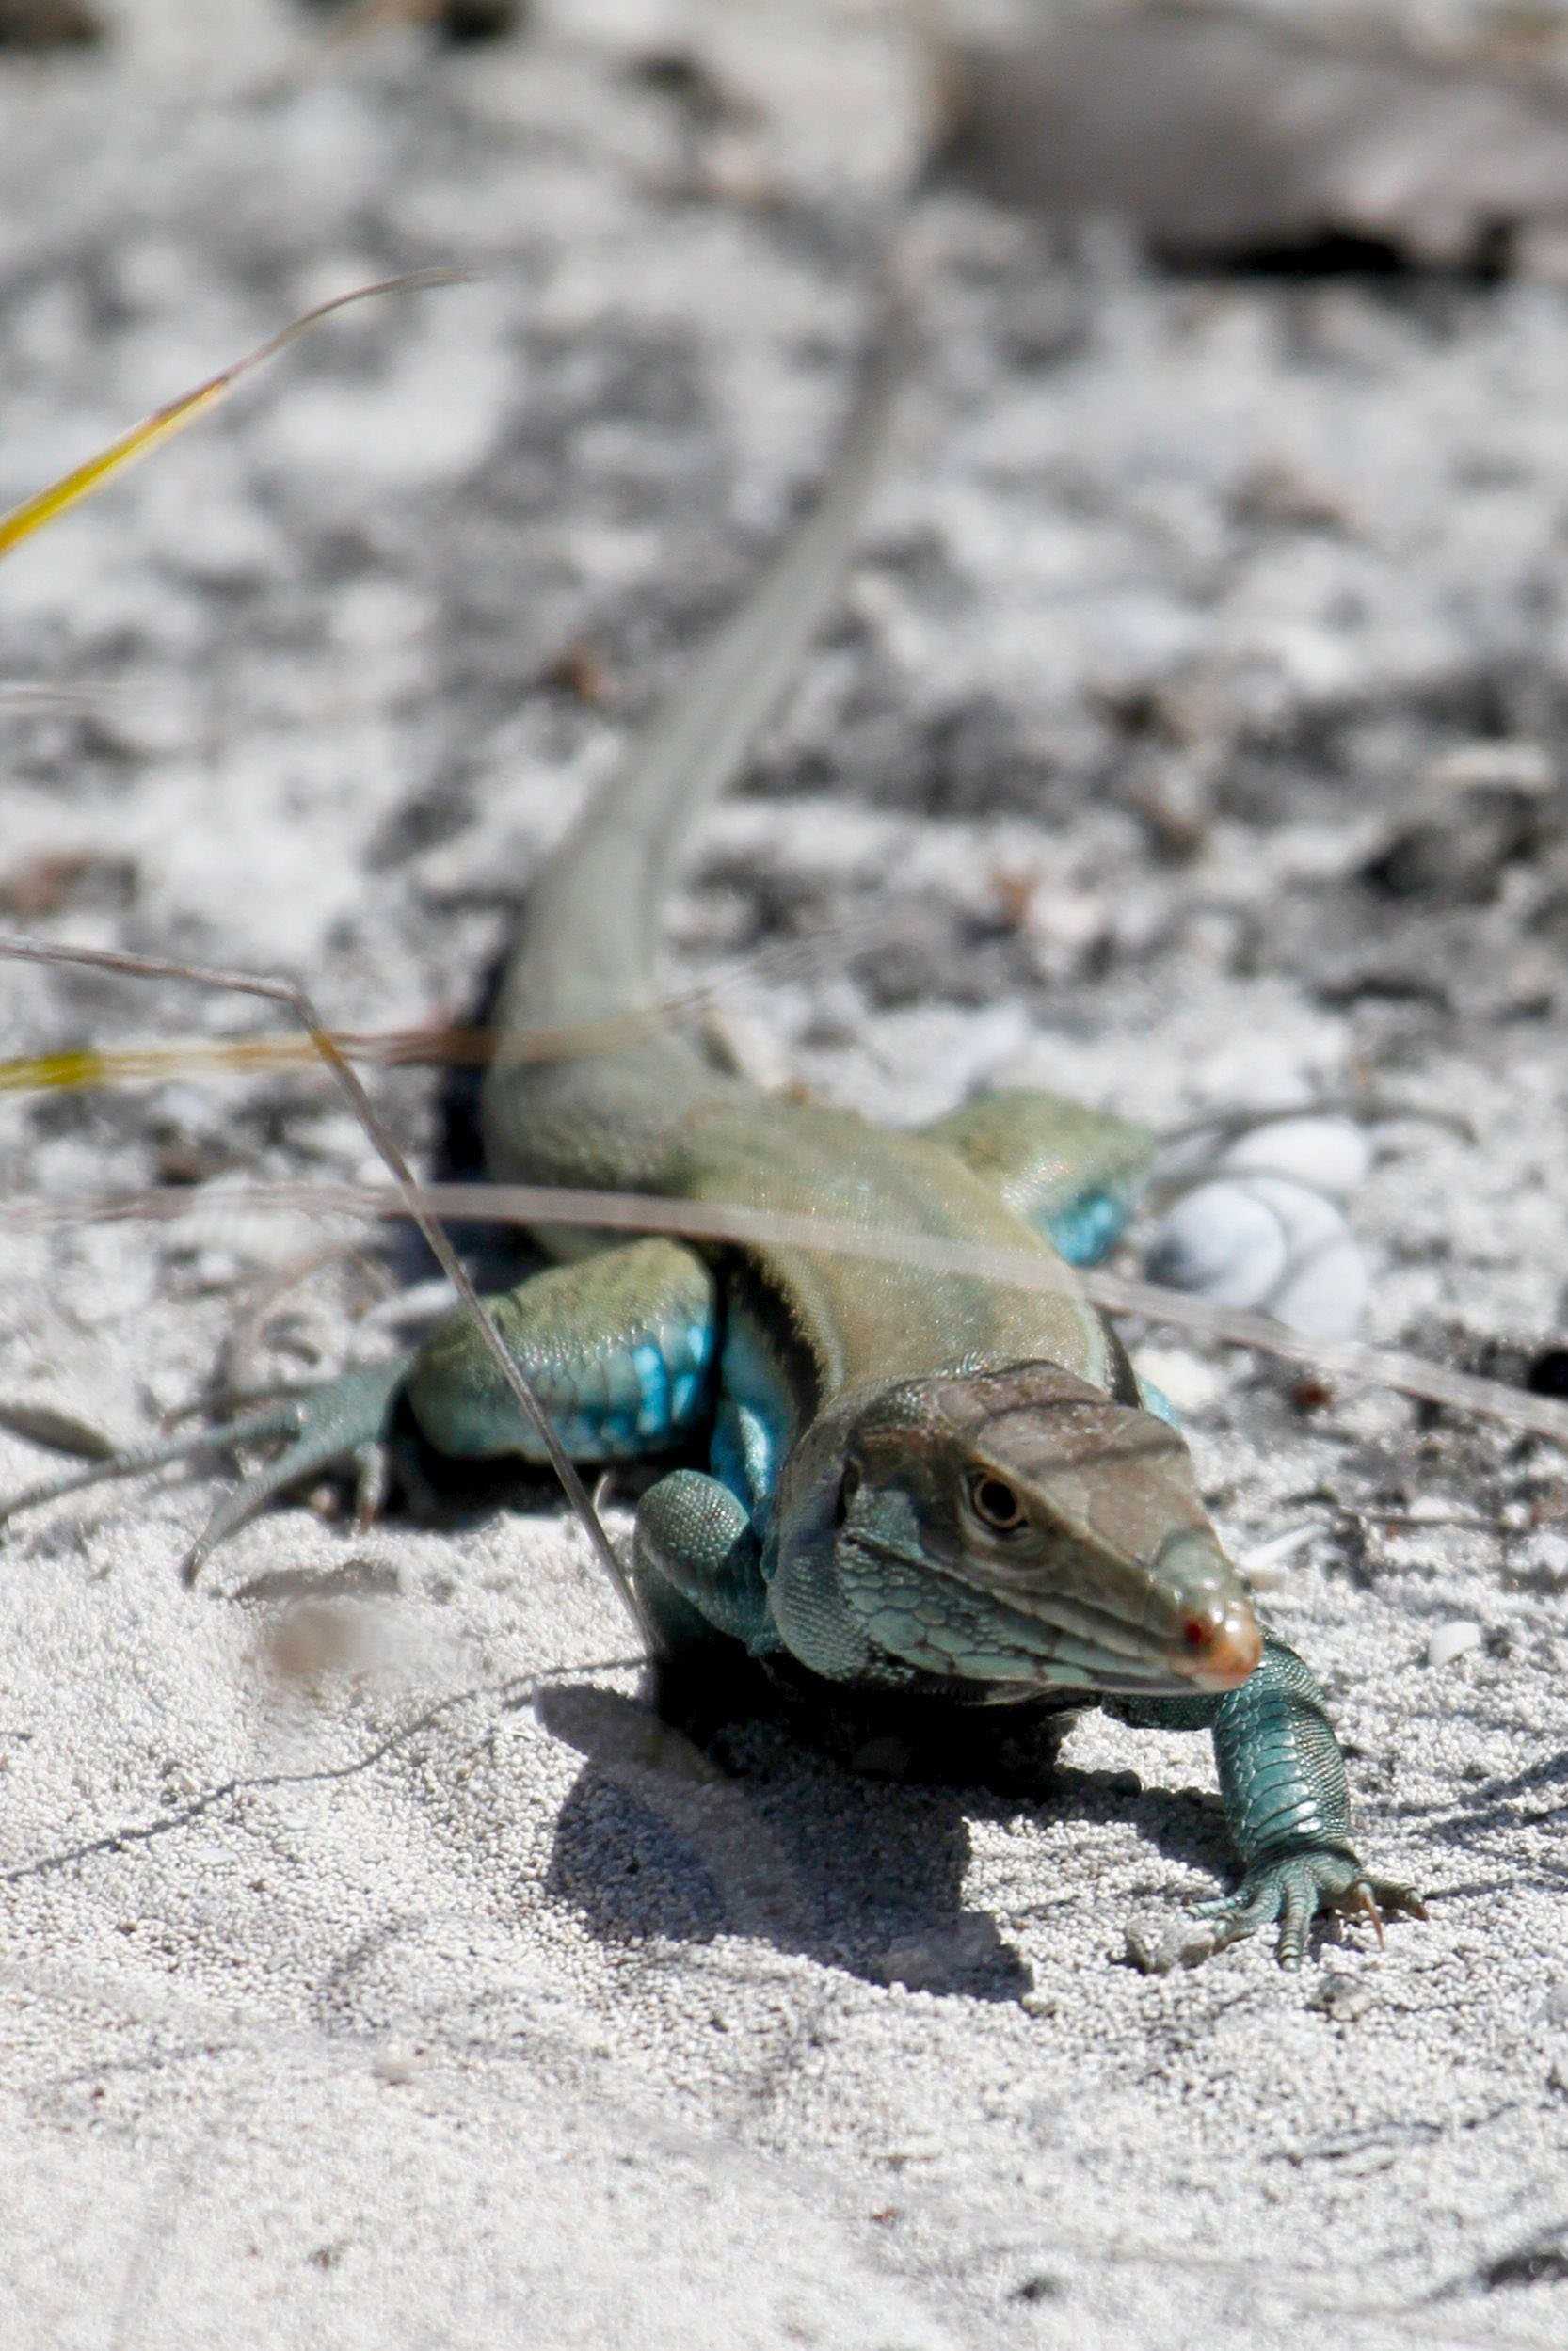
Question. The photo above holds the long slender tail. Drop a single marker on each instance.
(588, 946)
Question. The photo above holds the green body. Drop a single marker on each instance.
(925, 1497)
(857, 1411)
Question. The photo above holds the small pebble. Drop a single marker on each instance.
(1218, 1242)
(1342, 1998)
(1452, 1641)
(1308, 1220)
(1184, 1379)
(1269, 1566)
(1160, 1951)
(1326, 1296)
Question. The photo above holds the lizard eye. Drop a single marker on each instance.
(995, 1504)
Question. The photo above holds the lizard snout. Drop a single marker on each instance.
(1219, 1641)
(1219, 1651)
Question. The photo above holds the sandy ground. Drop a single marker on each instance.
(375, 1972)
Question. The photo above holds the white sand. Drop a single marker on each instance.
(426, 1994)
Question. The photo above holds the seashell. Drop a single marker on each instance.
(1220, 1242)
(1330, 1155)
(1324, 1295)
(1265, 1242)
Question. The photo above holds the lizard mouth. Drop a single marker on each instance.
(943, 1622)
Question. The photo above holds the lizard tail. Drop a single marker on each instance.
(588, 952)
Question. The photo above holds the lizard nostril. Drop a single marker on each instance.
(1223, 1646)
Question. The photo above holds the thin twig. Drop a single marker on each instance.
(745, 1227)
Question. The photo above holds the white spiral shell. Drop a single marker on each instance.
(1330, 1155)
(1270, 1242)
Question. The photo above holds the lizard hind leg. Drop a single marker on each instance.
(619, 1349)
(1072, 1172)
(318, 1428)
(531, 1411)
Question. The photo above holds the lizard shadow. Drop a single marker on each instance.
(753, 1832)
(685, 1827)
(1494, 1804)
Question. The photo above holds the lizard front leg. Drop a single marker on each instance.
(698, 1564)
(697, 1570)
(1282, 1779)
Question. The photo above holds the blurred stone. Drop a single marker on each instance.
(1224, 138)
(48, 25)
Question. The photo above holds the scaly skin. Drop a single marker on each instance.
(925, 1492)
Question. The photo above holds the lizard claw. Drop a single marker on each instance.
(1295, 1887)
(1292, 1888)
(1361, 1902)
(341, 1420)
(317, 1427)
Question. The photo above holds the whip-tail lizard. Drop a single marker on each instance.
(934, 1508)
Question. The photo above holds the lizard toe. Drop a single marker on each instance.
(342, 1420)
(1295, 1888)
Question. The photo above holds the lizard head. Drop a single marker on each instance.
(1014, 1526)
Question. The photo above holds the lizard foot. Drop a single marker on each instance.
(342, 1419)
(1292, 1889)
